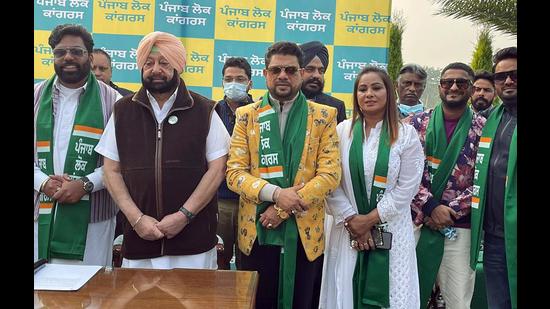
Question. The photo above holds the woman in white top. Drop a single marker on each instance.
(382, 163)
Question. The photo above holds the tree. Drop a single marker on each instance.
(496, 14)
(395, 58)
(430, 97)
(482, 58)
(483, 55)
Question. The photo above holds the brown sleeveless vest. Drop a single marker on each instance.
(162, 164)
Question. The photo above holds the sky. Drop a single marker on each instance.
(435, 40)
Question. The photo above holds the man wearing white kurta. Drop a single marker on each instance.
(165, 153)
(217, 146)
(72, 46)
(406, 163)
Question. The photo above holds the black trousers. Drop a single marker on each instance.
(265, 260)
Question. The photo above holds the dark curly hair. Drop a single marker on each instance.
(459, 66)
(482, 74)
(284, 48)
(505, 53)
(71, 29)
(238, 62)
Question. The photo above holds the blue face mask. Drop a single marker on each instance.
(407, 110)
(235, 91)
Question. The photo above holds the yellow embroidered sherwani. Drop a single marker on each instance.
(319, 170)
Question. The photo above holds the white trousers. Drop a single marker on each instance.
(455, 277)
(205, 260)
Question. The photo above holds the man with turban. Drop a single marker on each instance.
(165, 153)
(315, 66)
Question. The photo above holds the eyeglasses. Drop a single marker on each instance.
(501, 77)
(75, 51)
(291, 70)
(312, 69)
(461, 83)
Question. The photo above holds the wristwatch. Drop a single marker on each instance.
(281, 213)
(88, 186)
(190, 216)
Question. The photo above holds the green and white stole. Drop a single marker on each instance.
(510, 198)
(65, 237)
(372, 270)
(441, 161)
(279, 161)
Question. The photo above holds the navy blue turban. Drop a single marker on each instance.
(312, 49)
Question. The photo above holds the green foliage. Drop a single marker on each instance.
(430, 97)
(395, 58)
(483, 53)
(496, 14)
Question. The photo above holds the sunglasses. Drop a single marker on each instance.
(461, 83)
(75, 51)
(501, 77)
(291, 70)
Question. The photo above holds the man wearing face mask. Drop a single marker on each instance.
(410, 86)
(236, 84)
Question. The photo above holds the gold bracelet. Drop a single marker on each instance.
(137, 221)
(283, 215)
(346, 222)
(278, 191)
(43, 184)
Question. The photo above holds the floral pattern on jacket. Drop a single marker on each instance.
(319, 170)
(458, 192)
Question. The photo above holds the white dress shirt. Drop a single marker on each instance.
(62, 129)
(217, 140)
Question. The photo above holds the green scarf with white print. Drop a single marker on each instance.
(279, 161)
(371, 276)
(441, 159)
(63, 227)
